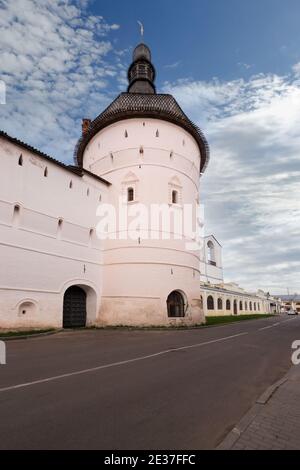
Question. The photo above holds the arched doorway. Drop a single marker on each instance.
(175, 304)
(74, 309)
(235, 307)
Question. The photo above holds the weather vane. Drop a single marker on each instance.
(142, 28)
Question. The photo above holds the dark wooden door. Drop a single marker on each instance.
(74, 310)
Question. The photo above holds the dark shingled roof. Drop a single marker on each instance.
(73, 169)
(133, 105)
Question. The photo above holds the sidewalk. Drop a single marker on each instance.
(273, 422)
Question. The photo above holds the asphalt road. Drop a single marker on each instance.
(118, 389)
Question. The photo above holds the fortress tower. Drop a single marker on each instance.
(151, 153)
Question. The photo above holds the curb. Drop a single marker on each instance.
(231, 438)
(33, 335)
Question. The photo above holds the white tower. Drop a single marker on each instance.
(151, 153)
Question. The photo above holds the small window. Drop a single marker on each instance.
(254, 305)
(183, 142)
(126, 133)
(130, 194)
(250, 306)
(20, 162)
(71, 184)
(88, 191)
(46, 172)
(174, 197)
(157, 133)
(100, 197)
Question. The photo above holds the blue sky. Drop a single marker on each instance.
(211, 38)
(233, 66)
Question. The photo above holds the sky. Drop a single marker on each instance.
(233, 66)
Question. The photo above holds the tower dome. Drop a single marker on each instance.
(141, 100)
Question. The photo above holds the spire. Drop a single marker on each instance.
(141, 73)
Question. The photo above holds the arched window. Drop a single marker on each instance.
(211, 253)
(174, 197)
(210, 303)
(258, 306)
(157, 133)
(241, 305)
(130, 194)
(228, 304)
(246, 306)
(220, 304)
(250, 306)
(20, 162)
(175, 304)
(126, 133)
(254, 305)
(235, 307)
(46, 172)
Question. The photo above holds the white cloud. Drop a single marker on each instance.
(251, 189)
(57, 62)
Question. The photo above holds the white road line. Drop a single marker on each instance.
(120, 363)
(270, 326)
(275, 324)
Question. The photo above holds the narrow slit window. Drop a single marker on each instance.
(157, 133)
(20, 162)
(46, 172)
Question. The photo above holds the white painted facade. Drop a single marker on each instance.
(46, 243)
(231, 299)
(211, 267)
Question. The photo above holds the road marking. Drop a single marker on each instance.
(270, 326)
(275, 324)
(120, 363)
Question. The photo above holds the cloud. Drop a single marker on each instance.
(58, 64)
(251, 189)
(174, 65)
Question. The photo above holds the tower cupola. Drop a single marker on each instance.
(141, 72)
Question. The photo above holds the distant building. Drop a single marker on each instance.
(219, 298)
(290, 302)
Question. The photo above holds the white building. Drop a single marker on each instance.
(54, 270)
(211, 266)
(219, 298)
